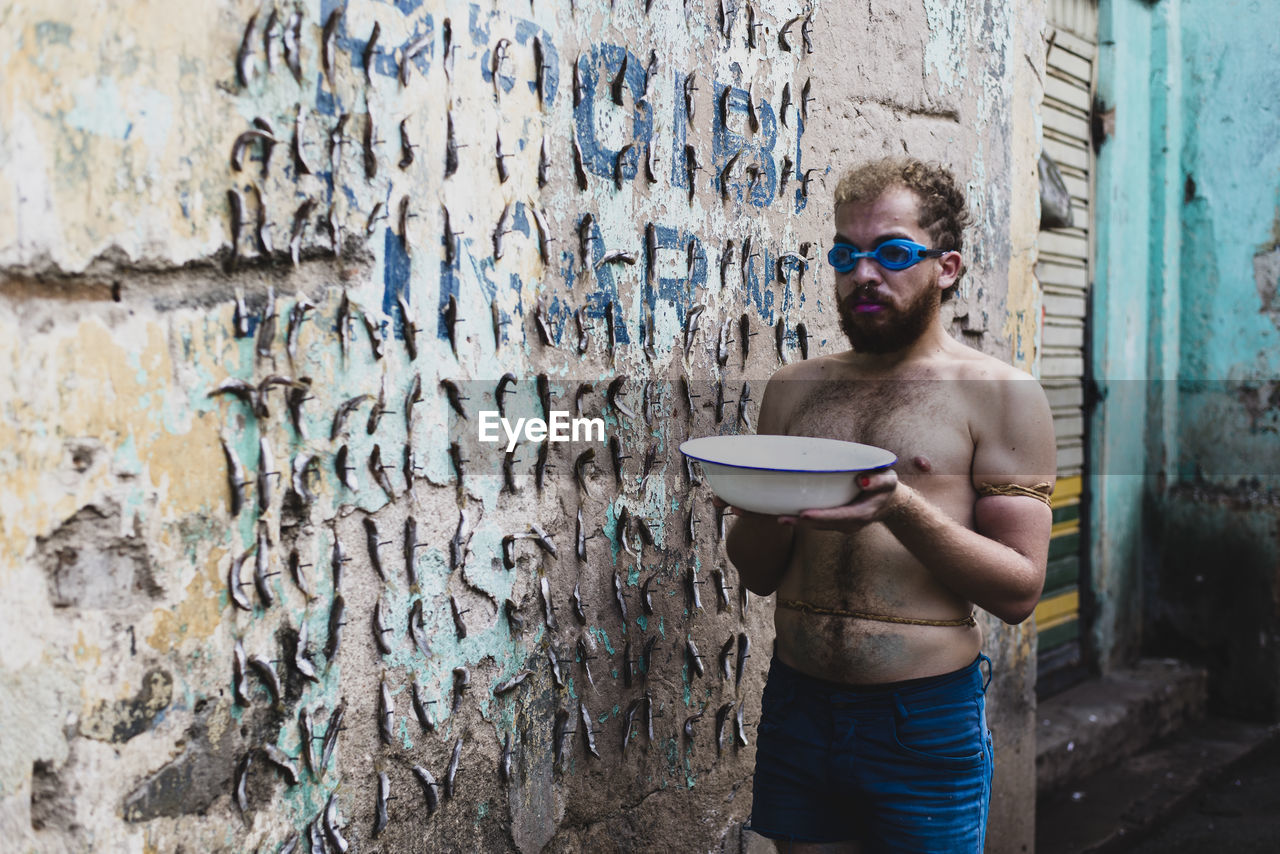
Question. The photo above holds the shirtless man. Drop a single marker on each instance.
(873, 732)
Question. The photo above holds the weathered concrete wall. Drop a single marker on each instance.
(1120, 317)
(451, 207)
(1213, 593)
(1216, 595)
(1186, 342)
(1230, 249)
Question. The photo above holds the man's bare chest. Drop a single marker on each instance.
(924, 422)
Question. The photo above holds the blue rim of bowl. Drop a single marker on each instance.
(893, 460)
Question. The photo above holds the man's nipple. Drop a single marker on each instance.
(922, 464)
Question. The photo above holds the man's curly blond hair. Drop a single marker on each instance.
(944, 212)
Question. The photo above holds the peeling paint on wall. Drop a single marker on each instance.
(946, 46)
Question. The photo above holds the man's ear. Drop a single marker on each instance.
(952, 265)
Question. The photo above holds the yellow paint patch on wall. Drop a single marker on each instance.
(1052, 611)
(106, 387)
(16, 483)
(129, 403)
(1022, 320)
(197, 616)
(219, 720)
(33, 500)
(87, 655)
(1068, 526)
(1066, 490)
(189, 468)
(123, 93)
(115, 386)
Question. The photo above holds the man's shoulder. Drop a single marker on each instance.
(969, 364)
(817, 368)
(791, 384)
(1009, 417)
(997, 390)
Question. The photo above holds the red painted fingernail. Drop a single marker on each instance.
(863, 480)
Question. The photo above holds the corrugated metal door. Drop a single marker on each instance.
(1065, 272)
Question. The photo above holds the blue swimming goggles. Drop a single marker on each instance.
(896, 254)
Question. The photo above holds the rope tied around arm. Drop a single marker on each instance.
(1040, 492)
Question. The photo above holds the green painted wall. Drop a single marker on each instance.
(1187, 457)
(1120, 322)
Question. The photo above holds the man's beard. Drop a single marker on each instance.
(870, 336)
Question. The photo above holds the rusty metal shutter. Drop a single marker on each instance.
(1065, 273)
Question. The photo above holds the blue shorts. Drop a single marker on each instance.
(897, 767)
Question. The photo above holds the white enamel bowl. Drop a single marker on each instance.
(782, 475)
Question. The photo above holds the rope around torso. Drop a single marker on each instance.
(806, 608)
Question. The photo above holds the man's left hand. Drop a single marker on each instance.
(879, 494)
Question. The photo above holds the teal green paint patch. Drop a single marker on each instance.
(405, 740)
(482, 810)
(662, 626)
(643, 623)
(633, 576)
(489, 575)
(611, 524)
(53, 32)
(306, 799)
(602, 637)
(126, 457)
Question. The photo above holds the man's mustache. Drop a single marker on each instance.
(861, 295)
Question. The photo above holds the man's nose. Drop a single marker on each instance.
(866, 270)
(865, 274)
